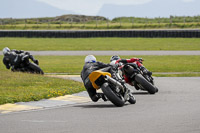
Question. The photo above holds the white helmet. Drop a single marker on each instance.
(5, 50)
(113, 62)
(90, 59)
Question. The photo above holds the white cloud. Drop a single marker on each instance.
(188, 1)
(89, 7)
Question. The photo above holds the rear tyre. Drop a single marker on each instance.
(35, 68)
(114, 98)
(145, 84)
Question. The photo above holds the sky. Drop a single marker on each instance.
(106, 8)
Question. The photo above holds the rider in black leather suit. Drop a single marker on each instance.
(13, 58)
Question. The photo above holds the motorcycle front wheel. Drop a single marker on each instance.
(35, 68)
(112, 96)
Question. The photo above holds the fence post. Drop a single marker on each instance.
(14, 22)
(132, 22)
(84, 23)
(11, 22)
(96, 22)
(49, 23)
(71, 21)
(120, 21)
(198, 19)
(107, 23)
(25, 23)
(171, 21)
(184, 20)
(146, 20)
(159, 20)
(37, 22)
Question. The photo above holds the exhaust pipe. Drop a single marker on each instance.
(114, 82)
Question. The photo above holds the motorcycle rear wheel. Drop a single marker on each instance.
(110, 94)
(145, 84)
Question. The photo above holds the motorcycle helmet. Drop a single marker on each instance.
(115, 57)
(5, 50)
(113, 62)
(90, 59)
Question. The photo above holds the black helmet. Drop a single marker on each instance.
(115, 57)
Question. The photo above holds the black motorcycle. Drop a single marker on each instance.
(27, 66)
(117, 93)
(138, 79)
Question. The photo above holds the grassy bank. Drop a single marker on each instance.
(99, 26)
(23, 87)
(38, 44)
(74, 64)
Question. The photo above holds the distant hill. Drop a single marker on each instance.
(156, 8)
(78, 18)
(29, 9)
(64, 18)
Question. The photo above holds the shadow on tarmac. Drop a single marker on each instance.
(140, 93)
(110, 105)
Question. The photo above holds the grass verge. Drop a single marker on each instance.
(23, 87)
(74, 64)
(39, 44)
(104, 25)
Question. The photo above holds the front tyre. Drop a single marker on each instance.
(112, 96)
(35, 68)
(145, 84)
(132, 100)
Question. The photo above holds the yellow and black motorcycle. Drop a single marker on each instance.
(117, 93)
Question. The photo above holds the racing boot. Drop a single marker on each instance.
(36, 62)
(145, 71)
(97, 96)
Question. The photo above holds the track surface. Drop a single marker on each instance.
(175, 109)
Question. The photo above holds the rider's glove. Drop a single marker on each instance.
(140, 60)
(36, 62)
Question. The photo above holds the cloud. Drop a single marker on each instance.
(188, 1)
(89, 7)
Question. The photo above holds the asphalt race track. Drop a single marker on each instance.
(174, 109)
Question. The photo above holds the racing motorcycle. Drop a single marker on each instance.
(138, 78)
(116, 92)
(27, 66)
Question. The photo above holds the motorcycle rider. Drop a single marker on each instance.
(91, 64)
(13, 58)
(117, 60)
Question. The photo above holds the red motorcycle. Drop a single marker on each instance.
(137, 78)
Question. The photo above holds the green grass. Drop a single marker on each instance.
(104, 25)
(74, 64)
(38, 44)
(17, 87)
(23, 87)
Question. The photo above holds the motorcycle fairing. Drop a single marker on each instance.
(95, 75)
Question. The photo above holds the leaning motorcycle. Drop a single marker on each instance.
(117, 93)
(28, 66)
(138, 79)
